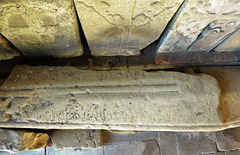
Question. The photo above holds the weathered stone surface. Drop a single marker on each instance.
(123, 27)
(202, 25)
(228, 78)
(234, 132)
(52, 151)
(76, 139)
(41, 28)
(6, 51)
(189, 143)
(66, 97)
(237, 152)
(137, 148)
(19, 140)
(26, 152)
(168, 143)
(226, 142)
(230, 44)
(113, 138)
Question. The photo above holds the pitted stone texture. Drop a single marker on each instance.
(202, 25)
(226, 142)
(19, 140)
(228, 78)
(66, 97)
(135, 148)
(76, 139)
(6, 51)
(123, 27)
(230, 44)
(190, 143)
(41, 28)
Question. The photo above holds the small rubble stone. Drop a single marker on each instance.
(168, 145)
(19, 140)
(76, 139)
(52, 151)
(236, 152)
(226, 142)
(196, 143)
(136, 148)
(112, 138)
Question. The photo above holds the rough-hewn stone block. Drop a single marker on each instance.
(76, 139)
(202, 25)
(136, 148)
(41, 28)
(226, 142)
(66, 97)
(123, 27)
(190, 143)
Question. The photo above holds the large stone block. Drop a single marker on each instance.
(19, 140)
(66, 97)
(202, 25)
(41, 28)
(123, 27)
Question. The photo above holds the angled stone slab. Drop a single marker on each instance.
(70, 98)
(230, 44)
(76, 139)
(202, 25)
(41, 28)
(123, 27)
(6, 50)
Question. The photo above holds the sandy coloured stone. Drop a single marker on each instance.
(228, 79)
(70, 98)
(19, 140)
(123, 27)
(202, 25)
(7, 51)
(41, 28)
(76, 139)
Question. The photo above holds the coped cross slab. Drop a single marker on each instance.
(70, 98)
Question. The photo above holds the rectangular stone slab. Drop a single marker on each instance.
(41, 28)
(70, 98)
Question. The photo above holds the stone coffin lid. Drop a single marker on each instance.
(70, 98)
(123, 27)
(41, 28)
(201, 25)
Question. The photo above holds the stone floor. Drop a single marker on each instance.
(156, 143)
